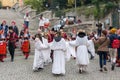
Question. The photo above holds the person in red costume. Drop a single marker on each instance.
(26, 47)
(50, 36)
(3, 49)
(50, 39)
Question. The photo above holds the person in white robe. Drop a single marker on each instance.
(38, 63)
(70, 52)
(91, 47)
(46, 52)
(59, 49)
(73, 51)
(82, 58)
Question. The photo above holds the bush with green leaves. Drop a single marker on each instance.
(0, 4)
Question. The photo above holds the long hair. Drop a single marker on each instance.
(39, 36)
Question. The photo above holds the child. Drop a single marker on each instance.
(59, 48)
(38, 63)
(3, 49)
(26, 43)
(26, 47)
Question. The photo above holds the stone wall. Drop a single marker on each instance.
(82, 17)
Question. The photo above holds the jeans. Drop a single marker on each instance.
(99, 32)
(26, 23)
(102, 58)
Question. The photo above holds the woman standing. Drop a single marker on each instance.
(81, 43)
(103, 41)
(59, 48)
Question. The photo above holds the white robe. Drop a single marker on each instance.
(70, 51)
(82, 51)
(38, 57)
(91, 47)
(46, 52)
(59, 56)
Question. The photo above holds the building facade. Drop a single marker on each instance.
(10, 3)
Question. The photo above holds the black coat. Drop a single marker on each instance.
(15, 29)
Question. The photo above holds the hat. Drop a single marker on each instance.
(113, 30)
(4, 21)
(13, 22)
(81, 30)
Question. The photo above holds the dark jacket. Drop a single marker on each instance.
(5, 30)
(12, 37)
(15, 29)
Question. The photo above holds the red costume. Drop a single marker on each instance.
(3, 50)
(26, 48)
(50, 37)
(64, 35)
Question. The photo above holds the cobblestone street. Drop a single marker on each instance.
(21, 69)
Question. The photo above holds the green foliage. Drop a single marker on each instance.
(98, 10)
(59, 13)
(109, 7)
(62, 3)
(89, 11)
(36, 4)
(70, 3)
(0, 4)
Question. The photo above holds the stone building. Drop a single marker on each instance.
(10, 3)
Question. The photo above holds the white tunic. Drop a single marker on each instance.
(70, 51)
(46, 52)
(91, 47)
(26, 18)
(82, 51)
(41, 21)
(38, 57)
(59, 56)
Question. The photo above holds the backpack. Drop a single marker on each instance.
(116, 43)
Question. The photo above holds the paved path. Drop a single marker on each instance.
(21, 69)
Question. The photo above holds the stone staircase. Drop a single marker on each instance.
(10, 15)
